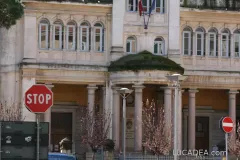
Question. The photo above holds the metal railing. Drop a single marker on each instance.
(232, 5)
(81, 1)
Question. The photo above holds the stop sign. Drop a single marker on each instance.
(38, 98)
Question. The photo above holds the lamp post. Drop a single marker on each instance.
(175, 79)
(124, 92)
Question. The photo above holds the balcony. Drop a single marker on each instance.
(80, 1)
(227, 5)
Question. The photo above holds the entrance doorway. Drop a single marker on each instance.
(202, 133)
(61, 127)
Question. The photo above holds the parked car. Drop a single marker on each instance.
(61, 156)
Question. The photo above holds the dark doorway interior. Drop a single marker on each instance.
(61, 127)
(202, 133)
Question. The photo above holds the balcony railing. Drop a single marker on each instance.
(81, 1)
(232, 5)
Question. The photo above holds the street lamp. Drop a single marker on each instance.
(124, 92)
(175, 79)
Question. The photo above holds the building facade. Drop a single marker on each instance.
(69, 46)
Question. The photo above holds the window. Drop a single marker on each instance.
(44, 34)
(200, 42)
(132, 5)
(159, 46)
(237, 43)
(99, 37)
(158, 8)
(85, 37)
(57, 35)
(225, 44)
(71, 36)
(131, 45)
(213, 42)
(187, 41)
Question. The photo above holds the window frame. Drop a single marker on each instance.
(135, 6)
(60, 35)
(227, 53)
(202, 43)
(101, 38)
(40, 36)
(162, 44)
(237, 34)
(130, 41)
(215, 43)
(87, 36)
(189, 43)
(74, 37)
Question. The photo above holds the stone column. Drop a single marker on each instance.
(118, 12)
(168, 104)
(51, 38)
(47, 118)
(116, 118)
(27, 81)
(191, 118)
(232, 107)
(138, 117)
(105, 109)
(180, 121)
(91, 97)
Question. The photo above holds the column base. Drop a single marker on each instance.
(116, 52)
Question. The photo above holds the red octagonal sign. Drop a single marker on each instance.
(38, 98)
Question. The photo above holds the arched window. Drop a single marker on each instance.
(99, 37)
(225, 43)
(58, 35)
(159, 46)
(131, 45)
(200, 47)
(237, 43)
(187, 41)
(213, 42)
(158, 5)
(44, 34)
(71, 36)
(85, 37)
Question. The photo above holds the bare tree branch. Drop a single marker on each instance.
(156, 131)
(10, 112)
(234, 144)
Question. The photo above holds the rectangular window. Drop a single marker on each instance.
(186, 43)
(160, 6)
(225, 43)
(156, 48)
(98, 39)
(200, 44)
(132, 5)
(212, 44)
(128, 47)
(236, 45)
(57, 37)
(71, 33)
(43, 36)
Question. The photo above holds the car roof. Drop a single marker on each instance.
(60, 154)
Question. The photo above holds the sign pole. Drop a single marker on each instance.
(226, 144)
(38, 134)
(0, 140)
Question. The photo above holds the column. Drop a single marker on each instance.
(64, 37)
(138, 117)
(47, 118)
(27, 82)
(105, 109)
(51, 37)
(168, 105)
(116, 117)
(180, 121)
(232, 107)
(191, 118)
(118, 11)
(91, 97)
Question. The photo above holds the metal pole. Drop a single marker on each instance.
(38, 134)
(226, 143)
(175, 121)
(124, 127)
(1, 140)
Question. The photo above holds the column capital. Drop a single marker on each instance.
(115, 88)
(49, 85)
(233, 92)
(92, 87)
(138, 87)
(193, 91)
